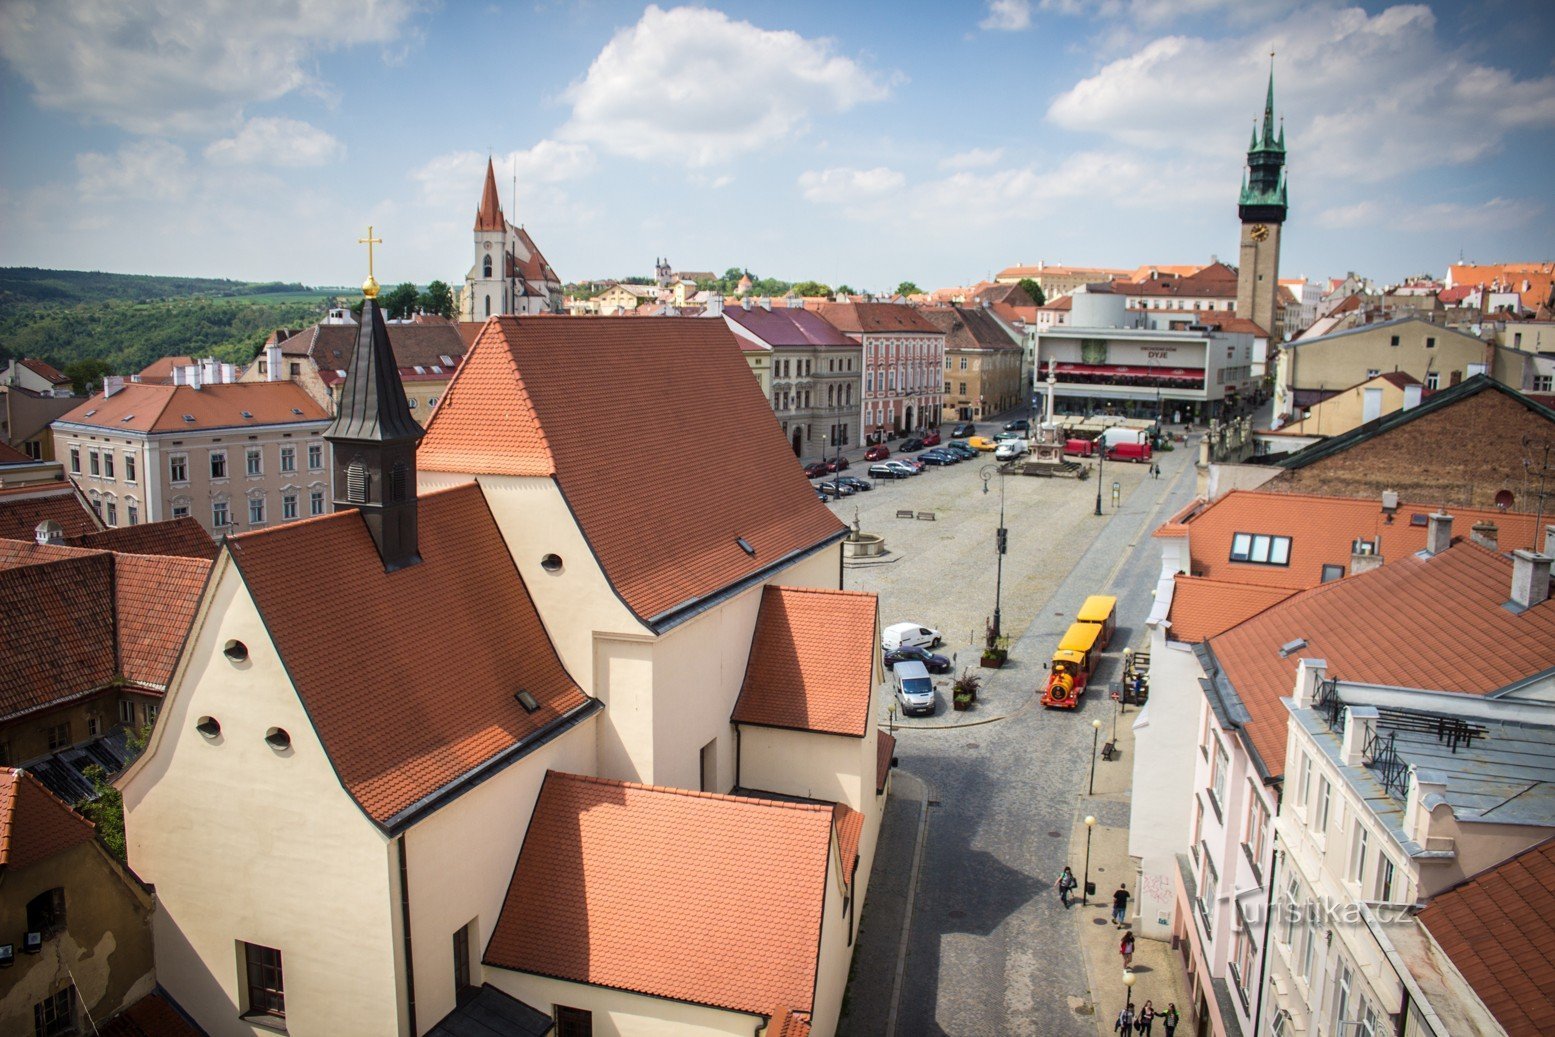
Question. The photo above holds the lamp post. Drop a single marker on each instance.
(1128, 986)
(1085, 888)
(1100, 461)
(1001, 541)
(1095, 733)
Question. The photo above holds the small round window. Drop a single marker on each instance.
(278, 739)
(210, 727)
(236, 650)
(551, 563)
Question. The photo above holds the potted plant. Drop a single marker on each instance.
(995, 650)
(964, 689)
(961, 703)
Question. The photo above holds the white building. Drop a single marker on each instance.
(510, 275)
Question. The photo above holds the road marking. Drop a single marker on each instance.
(912, 895)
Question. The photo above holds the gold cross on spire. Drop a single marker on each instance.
(370, 286)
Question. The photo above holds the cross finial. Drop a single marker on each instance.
(370, 286)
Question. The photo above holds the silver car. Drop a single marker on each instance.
(914, 688)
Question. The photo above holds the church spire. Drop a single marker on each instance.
(489, 215)
(373, 443)
(1268, 108)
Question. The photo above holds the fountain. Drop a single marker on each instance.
(859, 544)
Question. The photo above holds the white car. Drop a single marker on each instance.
(914, 688)
(898, 634)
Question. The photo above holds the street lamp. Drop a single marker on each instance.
(1128, 986)
(1001, 541)
(1100, 460)
(1085, 890)
(1095, 733)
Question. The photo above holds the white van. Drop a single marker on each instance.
(898, 634)
(1009, 450)
(914, 688)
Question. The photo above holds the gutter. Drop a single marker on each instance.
(693, 607)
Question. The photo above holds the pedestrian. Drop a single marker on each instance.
(1146, 1019)
(1066, 883)
(1120, 905)
(1126, 948)
(1125, 1021)
(1170, 1018)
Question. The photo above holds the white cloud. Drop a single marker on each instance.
(1495, 214)
(843, 186)
(277, 142)
(153, 170)
(159, 68)
(1007, 15)
(692, 86)
(1370, 97)
(453, 181)
(974, 158)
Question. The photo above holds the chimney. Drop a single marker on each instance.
(1530, 579)
(766, 302)
(112, 384)
(273, 362)
(1438, 533)
(210, 371)
(795, 302)
(178, 375)
(1427, 790)
(1549, 539)
(49, 532)
(1389, 502)
(1309, 674)
(1358, 730)
(1485, 534)
(715, 304)
(1364, 556)
(745, 304)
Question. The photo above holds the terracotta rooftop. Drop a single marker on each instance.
(23, 508)
(1322, 531)
(527, 402)
(179, 537)
(849, 824)
(10, 455)
(425, 344)
(59, 626)
(452, 681)
(160, 371)
(489, 216)
(787, 326)
(1498, 928)
(44, 369)
(812, 662)
(715, 900)
(970, 328)
(1445, 608)
(155, 599)
(143, 408)
(1230, 323)
(1203, 608)
(876, 318)
(885, 748)
(35, 824)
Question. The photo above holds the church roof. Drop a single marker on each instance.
(411, 687)
(528, 401)
(812, 662)
(373, 406)
(489, 215)
(35, 824)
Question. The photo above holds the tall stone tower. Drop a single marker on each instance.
(1262, 209)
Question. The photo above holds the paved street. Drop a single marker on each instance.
(989, 949)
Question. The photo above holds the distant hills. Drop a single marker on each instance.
(125, 321)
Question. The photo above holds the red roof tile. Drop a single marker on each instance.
(23, 508)
(876, 318)
(489, 215)
(139, 407)
(885, 748)
(44, 369)
(698, 897)
(786, 1023)
(968, 328)
(787, 326)
(59, 624)
(528, 399)
(156, 599)
(1203, 608)
(849, 824)
(453, 639)
(1446, 608)
(10, 455)
(160, 371)
(1499, 930)
(179, 537)
(812, 662)
(35, 824)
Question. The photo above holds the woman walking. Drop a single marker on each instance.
(1066, 883)
(1170, 1018)
(1125, 1021)
(1126, 948)
(1146, 1019)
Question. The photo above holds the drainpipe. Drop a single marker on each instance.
(410, 962)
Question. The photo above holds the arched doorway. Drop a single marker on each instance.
(796, 442)
(907, 420)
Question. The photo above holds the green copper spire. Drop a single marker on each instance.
(1268, 107)
(1263, 196)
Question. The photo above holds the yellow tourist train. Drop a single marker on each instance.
(1078, 653)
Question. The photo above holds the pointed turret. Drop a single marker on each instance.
(1268, 108)
(1263, 196)
(489, 216)
(373, 443)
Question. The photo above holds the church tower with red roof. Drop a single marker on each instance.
(509, 276)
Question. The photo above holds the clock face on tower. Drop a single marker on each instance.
(1259, 232)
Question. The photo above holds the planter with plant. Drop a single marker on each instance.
(965, 687)
(996, 650)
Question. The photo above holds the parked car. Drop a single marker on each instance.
(909, 445)
(900, 466)
(932, 661)
(914, 688)
(960, 449)
(888, 470)
(833, 488)
(898, 634)
(815, 470)
(1018, 425)
(931, 438)
(861, 485)
(981, 443)
(934, 457)
(963, 430)
(1006, 436)
(1010, 449)
(836, 464)
(878, 452)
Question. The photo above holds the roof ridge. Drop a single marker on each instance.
(590, 779)
(839, 591)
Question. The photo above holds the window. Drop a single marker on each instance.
(1332, 573)
(288, 459)
(1304, 781)
(95, 461)
(462, 960)
(1430, 343)
(256, 461)
(1291, 910)
(963, 363)
(132, 510)
(75, 460)
(1432, 380)
(1394, 341)
(1324, 795)
(57, 735)
(218, 464)
(316, 502)
(1384, 877)
(1217, 779)
(574, 1022)
(1543, 382)
(1260, 548)
(1255, 839)
(55, 1014)
(315, 456)
(150, 710)
(126, 712)
(220, 514)
(486, 266)
(1342, 980)
(180, 511)
(288, 506)
(1245, 955)
(46, 912)
(1198, 827)
(256, 510)
(962, 390)
(1357, 868)
(296, 369)
(107, 465)
(1372, 372)
(113, 514)
(178, 468)
(1207, 891)
(266, 988)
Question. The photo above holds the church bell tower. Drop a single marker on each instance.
(1262, 208)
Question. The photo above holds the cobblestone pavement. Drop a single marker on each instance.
(989, 949)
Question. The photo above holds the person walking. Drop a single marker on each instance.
(1066, 884)
(1120, 905)
(1170, 1019)
(1125, 1021)
(1126, 948)
(1146, 1019)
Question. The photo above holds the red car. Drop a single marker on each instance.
(836, 464)
(931, 438)
(878, 452)
(816, 470)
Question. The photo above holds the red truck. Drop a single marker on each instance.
(1129, 452)
(1080, 447)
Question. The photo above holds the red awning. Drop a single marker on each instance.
(1172, 373)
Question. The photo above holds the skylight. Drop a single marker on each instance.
(745, 546)
(447, 360)
(89, 413)
(247, 414)
(128, 417)
(189, 418)
(297, 411)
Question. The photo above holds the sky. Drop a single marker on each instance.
(858, 143)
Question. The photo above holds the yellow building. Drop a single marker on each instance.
(982, 363)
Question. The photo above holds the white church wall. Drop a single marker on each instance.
(618, 1013)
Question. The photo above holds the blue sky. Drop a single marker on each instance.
(858, 143)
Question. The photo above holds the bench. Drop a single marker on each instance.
(925, 516)
(905, 513)
(1109, 749)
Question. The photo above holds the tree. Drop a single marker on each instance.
(908, 288)
(86, 376)
(438, 299)
(811, 288)
(733, 275)
(401, 302)
(846, 289)
(1034, 290)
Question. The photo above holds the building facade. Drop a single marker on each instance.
(509, 276)
(983, 363)
(816, 371)
(903, 361)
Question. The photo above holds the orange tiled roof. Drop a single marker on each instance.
(885, 748)
(139, 407)
(22, 508)
(35, 824)
(179, 537)
(59, 624)
(850, 829)
(788, 1023)
(160, 371)
(452, 678)
(1322, 530)
(527, 402)
(812, 662)
(156, 599)
(489, 216)
(1444, 609)
(10, 455)
(1203, 608)
(1498, 927)
(44, 369)
(711, 899)
(875, 318)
